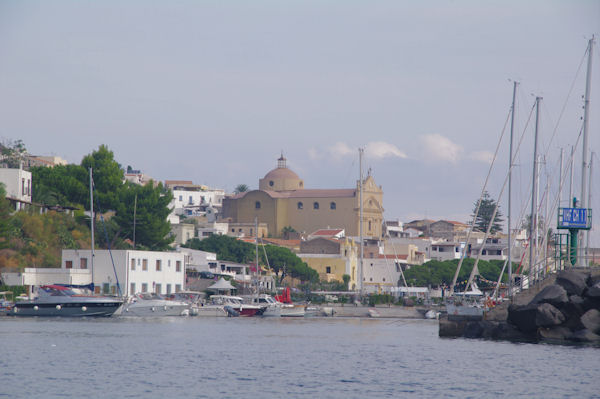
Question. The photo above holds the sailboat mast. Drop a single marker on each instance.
(92, 223)
(586, 125)
(360, 199)
(587, 239)
(533, 217)
(256, 255)
(510, 164)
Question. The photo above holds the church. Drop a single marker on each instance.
(282, 201)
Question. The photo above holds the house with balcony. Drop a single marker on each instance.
(18, 185)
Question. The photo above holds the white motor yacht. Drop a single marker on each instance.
(153, 305)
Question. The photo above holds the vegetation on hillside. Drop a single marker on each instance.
(281, 260)
(69, 186)
(437, 273)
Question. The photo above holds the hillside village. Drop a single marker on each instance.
(321, 226)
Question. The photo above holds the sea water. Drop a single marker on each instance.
(187, 357)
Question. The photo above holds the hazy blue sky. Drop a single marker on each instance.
(213, 91)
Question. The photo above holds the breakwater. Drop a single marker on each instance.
(565, 308)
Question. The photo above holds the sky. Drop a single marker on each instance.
(215, 91)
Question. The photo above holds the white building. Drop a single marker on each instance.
(200, 261)
(380, 275)
(194, 200)
(18, 186)
(182, 233)
(136, 271)
(446, 250)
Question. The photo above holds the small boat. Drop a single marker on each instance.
(153, 305)
(432, 314)
(272, 308)
(374, 313)
(60, 301)
(6, 304)
(228, 306)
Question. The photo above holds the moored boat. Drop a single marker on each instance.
(153, 305)
(60, 301)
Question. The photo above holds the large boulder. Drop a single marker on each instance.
(572, 281)
(473, 329)
(548, 316)
(584, 335)
(508, 332)
(573, 310)
(593, 292)
(554, 334)
(552, 294)
(591, 320)
(523, 317)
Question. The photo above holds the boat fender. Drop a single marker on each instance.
(15, 309)
(35, 307)
(165, 307)
(152, 308)
(84, 308)
(58, 307)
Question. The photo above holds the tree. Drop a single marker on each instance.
(226, 248)
(108, 177)
(241, 188)
(150, 206)
(486, 210)
(12, 153)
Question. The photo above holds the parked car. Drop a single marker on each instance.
(207, 275)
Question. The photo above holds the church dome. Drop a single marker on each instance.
(281, 178)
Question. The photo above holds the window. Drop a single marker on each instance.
(328, 269)
(145, 265)
(157, 288)
(178, 266)
(158, 265)
(177, 287)
(271, 183)
(83, 263)
(22, 186)
(384, 279)
(250, 232)
(181, 198)
(69, 264)
(144, 287)
(168, 289)
(257, 205)
(371, 279)
(190, 200)
(332, 206)
(369, 225)
(169, 263)
(300, 205)
(28, 187)
(105, 288)
(233, 230)
(131, 288)
(132, 264)
(316, 205)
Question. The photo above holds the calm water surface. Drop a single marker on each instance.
(279, 358)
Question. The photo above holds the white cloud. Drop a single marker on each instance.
(341, 149)
(482, 156)
(381, 149)
(438, 148)
(313, 154)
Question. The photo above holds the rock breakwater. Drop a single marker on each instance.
(567, 311)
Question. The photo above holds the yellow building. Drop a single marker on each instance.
(281, 201)
(331, 258)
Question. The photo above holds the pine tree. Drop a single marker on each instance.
(484, 216)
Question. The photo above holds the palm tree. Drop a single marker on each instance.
(241, 188)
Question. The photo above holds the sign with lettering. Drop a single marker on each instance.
(574, 218)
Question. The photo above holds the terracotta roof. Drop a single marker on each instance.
(280, 242)
(316, 193)
(281, 173)
(327, 232)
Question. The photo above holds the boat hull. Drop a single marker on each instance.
(66, 309)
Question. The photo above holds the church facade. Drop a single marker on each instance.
(282, 201)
